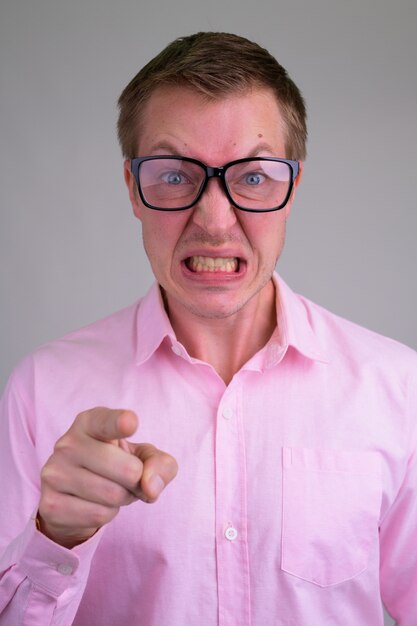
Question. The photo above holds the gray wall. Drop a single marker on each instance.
(70, 249)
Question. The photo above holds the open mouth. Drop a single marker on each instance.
(212, 264)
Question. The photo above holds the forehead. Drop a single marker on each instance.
(181, 120)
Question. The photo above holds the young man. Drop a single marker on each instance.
(294, 432)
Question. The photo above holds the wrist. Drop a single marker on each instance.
(65, 540)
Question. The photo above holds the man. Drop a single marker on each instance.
(294, 432)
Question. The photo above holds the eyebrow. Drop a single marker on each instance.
(171, 150)
(165, 145)
(262, 147)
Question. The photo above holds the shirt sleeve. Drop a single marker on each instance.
(41, 583)
(398, 534)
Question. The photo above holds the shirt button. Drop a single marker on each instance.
(227, 412)
(65, 569)
(230, 533)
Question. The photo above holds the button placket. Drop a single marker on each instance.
(231, 540)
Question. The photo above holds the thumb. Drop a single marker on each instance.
(159, 469)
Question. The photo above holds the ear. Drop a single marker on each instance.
(133, 190)
(288, 206)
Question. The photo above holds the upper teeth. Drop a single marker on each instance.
(208, 263)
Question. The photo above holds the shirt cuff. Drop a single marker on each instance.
(51, 566)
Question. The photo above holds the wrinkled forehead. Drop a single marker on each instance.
(188, 121)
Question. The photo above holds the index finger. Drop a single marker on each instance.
(108, 424)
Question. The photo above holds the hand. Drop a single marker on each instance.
(93, 471)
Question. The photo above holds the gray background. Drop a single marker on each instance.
(70, 249)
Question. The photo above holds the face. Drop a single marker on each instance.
(211, 260)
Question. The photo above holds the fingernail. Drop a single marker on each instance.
(155, 485)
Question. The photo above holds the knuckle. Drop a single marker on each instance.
(113, 495)
(102, 515)
(52, 473)
(85, 419)
(48, 473)
(65, 443)
(169, 464)
(80, 421)
(48, 505)
(85, 415)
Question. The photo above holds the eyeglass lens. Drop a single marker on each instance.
(175, 183)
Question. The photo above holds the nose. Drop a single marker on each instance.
(213, 212)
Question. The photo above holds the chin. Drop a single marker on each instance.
(214, 310)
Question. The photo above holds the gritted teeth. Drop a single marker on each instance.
(212, 264)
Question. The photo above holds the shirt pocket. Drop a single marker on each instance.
(331, 504)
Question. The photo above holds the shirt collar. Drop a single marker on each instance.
(153, 325)
(294, 326)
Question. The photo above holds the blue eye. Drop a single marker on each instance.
(254, 179)
(174, 178)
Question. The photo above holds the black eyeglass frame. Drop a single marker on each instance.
(214, 172)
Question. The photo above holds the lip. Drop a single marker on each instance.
(214, 252)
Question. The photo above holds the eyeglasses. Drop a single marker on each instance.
(174, 183)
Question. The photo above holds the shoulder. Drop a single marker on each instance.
(115, 330)
(348, 341)
(106, 343)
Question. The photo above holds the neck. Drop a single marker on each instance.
(227, 343)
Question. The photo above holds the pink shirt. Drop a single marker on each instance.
(296, 498)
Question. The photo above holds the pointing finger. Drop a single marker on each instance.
(108, 424)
